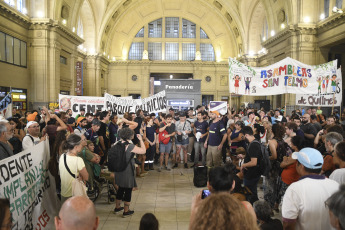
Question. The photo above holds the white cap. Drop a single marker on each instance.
(30, 123)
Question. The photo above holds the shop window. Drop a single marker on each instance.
(136, 51)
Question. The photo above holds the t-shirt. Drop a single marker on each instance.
(104, 132)
(309, 129)
(139, 120)
(253, 151)
(30, 142)
(5, 151)
(202, 128)
(338, 175)
(304, 201)
(181, 127)
(75, 164)
(79, 131)
(93, 136)
(216, 132)
(170, 129)
(289, 174)
(191, 121)
(272, 224)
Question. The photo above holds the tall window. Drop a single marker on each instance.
(172, 44)
(203, 34)
(155, 29)
(12, 50)
(171, 51)
(188, 51)
(326, 8)
(339, 4)
(136, 51)
(140, 34)
(207, 52)
(155, 51)
(171, 27)
(188, 29)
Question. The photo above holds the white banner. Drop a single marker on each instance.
(153, 104)
(285, 76)
(220, 106)
(6, 106)
(27, 183)
(330, 86)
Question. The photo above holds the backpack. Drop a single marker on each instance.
(265, 162)
(162, 137)
(117, 157)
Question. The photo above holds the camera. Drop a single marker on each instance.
(205, 193)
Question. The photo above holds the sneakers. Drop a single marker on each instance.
(175, 165)
(159, 169)
(185, 165)
(167, 168)
(117, 210)
(127, 214)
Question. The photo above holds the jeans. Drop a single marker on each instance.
(197, 147)
(252, 184)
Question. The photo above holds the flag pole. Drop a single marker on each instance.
(286, 97)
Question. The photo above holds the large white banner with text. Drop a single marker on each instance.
(330, 87)
(285, 76)
(153, 104)
(27, 183)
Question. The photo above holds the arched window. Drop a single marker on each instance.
(178, 42)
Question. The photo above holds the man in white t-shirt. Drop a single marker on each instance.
(31, 138)
(339, 161)
(304, 200)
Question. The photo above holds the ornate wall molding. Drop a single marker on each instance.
(17, 17)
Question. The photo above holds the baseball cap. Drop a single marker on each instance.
(31, 117)
(309, 157)
(30, 123)
(215, 112)
(79, 120)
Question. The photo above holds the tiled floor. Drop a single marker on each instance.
(167, 194)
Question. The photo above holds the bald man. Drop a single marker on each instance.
(77, 213)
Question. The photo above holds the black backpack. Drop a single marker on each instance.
(117, 157)
(265, 162)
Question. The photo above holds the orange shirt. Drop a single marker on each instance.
(289, 174)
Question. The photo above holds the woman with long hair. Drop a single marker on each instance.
(69, 159)
(235, 138)
(126, 179)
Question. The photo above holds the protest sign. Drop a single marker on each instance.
(220, 106)
(285, 76)
(153, 104)
(6, 106)
(329, 88)
(76, 103)
(27, 183)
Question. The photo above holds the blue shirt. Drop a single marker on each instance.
(216, 132)
(202, 128)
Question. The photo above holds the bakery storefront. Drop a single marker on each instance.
(19, 97)
(181, 94)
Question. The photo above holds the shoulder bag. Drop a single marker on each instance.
(78, 186)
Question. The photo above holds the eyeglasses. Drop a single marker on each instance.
(34, 127)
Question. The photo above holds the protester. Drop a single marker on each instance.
(5, 214)
(309, 130)
(126, 179)
(182, 130)
(77, 213)
(165, 149)
(18, 135)
(92, 135)
(339, 162)
(263, 213)
(235, 139)
(32, 137)
(6, 133)
(113, 128)
(303, 202)
(331, 140)
(150, 136)
(200, 132)
(81, 126)
(336, 206)
(149, 222)
(69, 161)
(103, 135)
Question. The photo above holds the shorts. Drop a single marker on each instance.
(183, 142)
(165, 148)
(247, 87)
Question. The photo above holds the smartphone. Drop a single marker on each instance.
(205, 193)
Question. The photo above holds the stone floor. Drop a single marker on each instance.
(167, 194)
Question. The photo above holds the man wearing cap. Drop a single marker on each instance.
(304, 200)
(6, 133)
(31, 138)
(215, 140)
(81, 128)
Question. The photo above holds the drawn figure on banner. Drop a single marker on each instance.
(254, 89)
(237, 83)
(319, 80)
(247, 82)
(327, 80)
(334, 83)
(324, 89)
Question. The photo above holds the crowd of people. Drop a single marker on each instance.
(304, 177)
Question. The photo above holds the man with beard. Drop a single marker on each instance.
(81, 128)
(339, 162)
(89, 117)
(215, 140)
(91, 134)
(31, 137)
(6, 133)
(309, 130)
